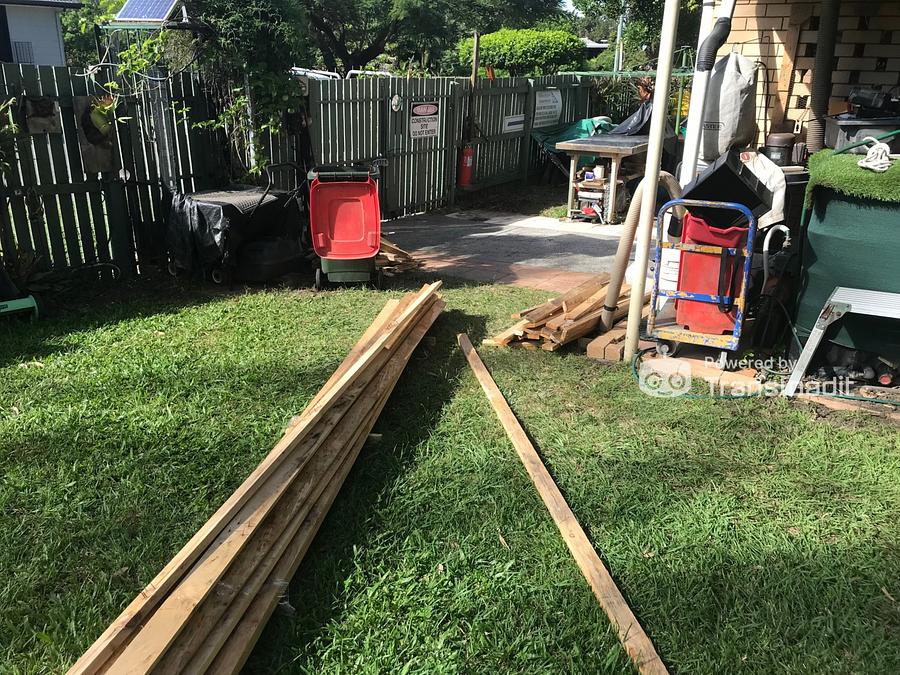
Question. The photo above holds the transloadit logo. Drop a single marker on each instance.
(664, 378)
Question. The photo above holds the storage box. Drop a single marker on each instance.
(841, 130)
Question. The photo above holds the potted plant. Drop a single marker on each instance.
(103, 113)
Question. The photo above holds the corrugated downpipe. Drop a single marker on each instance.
(626, 241)
(822, 67)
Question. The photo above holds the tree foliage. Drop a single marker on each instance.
(642, 27)
(78, 29)
(527, 51)
(352, 33)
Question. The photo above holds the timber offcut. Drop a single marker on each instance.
(205, 610)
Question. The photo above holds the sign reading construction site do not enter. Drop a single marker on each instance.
(424, 120)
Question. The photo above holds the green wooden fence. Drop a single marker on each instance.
(360, 120)
(73, 203)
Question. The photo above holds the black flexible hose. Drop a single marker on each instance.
(822, 66)
(706, 57)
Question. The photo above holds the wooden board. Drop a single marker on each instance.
(236, 591)
(237, 645)
(632, 636)
(155, 593)
(505, 337)
(573, 297)
(596, 349)
(596, 301)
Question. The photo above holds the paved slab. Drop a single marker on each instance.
(507, 248)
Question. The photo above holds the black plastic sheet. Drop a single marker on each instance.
(206, 229)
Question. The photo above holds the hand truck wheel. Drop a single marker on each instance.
(668, 347)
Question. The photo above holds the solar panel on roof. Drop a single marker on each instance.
(146, 10)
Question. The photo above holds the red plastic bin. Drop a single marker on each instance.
(700, 273)
(345, 219)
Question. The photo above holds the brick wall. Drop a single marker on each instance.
(782, 36)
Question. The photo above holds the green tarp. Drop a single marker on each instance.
(851, 242)
(550, 136)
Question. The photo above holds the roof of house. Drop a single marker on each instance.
(591, 44)
(60, 4)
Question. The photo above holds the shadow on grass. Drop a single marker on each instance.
(98, 304)
(409, 418)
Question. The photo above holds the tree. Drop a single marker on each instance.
(527, 51)
(352, 33)
(642, 27)
(78, 27)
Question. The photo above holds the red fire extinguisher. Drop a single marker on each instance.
(466, 160)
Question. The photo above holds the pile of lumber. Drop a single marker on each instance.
(205, 610)
(393, 260)
(573, 316)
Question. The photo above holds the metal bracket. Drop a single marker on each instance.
(842, 301)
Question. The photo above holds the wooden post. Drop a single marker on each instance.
(525, 151)
(473, 79)
(453, 145)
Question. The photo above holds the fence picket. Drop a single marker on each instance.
(34, 203)
(77, 176)
(14, 181)
(95, 200)
(60, 172)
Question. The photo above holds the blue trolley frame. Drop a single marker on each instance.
(674, 334)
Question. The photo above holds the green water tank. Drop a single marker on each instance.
(851, 242)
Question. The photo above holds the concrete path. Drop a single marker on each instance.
(531, 251)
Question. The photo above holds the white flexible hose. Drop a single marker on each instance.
(878, 158)
(626, 242)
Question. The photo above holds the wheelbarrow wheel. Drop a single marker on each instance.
(319, 282)
(378, 280)
(218, 276)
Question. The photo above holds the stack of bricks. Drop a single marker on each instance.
(782, 36)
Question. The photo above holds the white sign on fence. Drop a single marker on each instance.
(424, 120)
(513, 123)
(547, 108)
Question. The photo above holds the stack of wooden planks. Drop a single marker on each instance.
(205, 610)
(393, 260)
(571, 317)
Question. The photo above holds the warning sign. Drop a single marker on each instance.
(513, 123)
(424, 120)
(547, 108)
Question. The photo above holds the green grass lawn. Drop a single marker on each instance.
(747, 535)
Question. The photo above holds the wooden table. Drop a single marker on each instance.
(613, 146)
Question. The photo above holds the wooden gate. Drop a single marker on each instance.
(362, 120)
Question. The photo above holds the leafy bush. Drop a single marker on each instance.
(526, 51)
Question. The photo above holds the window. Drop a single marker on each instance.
(23, 52)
